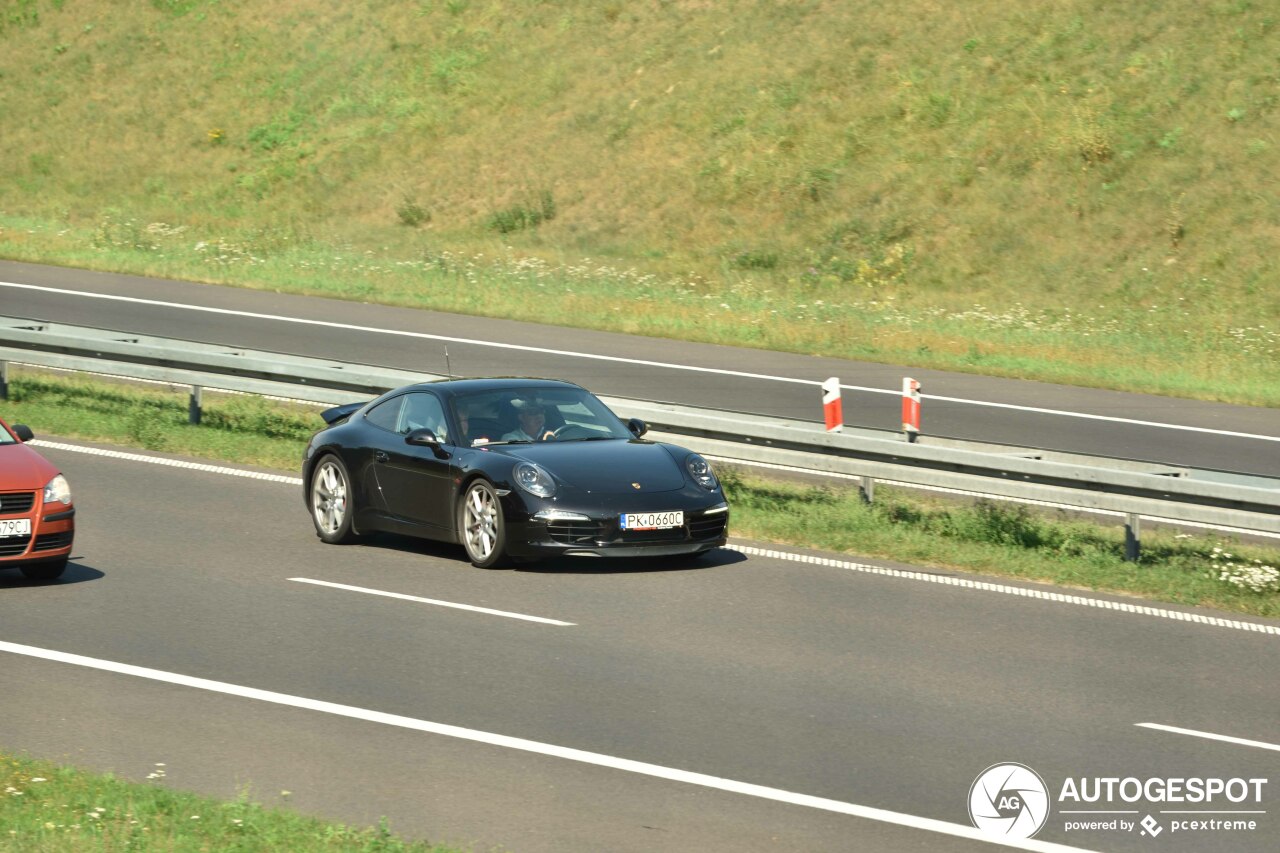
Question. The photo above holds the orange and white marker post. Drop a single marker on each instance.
(832, 413)
(911, 408)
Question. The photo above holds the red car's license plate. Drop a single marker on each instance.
(15, 527)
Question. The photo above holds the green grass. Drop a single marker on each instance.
(988, 538)
(47, 808)
(247, 429)
(1065, 191)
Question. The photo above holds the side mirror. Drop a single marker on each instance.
(638, 427)
(23, 432)
(426, 438)
(423, 437)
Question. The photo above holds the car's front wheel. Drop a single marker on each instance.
(331, 502)
(482, 527)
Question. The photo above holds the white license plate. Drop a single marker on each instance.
(652, 520)
(15, 527)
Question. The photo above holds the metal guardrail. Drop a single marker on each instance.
(1133, 489)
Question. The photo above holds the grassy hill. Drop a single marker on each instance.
(1078, 191)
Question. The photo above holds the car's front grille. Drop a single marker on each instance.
(11, 546)
(53, 541)
(707, 526)
(12, 503)
(576, 532)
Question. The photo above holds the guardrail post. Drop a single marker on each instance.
(867, 487)
(1132, 536)
(4, 380)
(194, 406)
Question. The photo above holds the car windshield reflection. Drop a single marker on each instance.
(519, 415)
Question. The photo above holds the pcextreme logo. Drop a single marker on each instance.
(1010, 800)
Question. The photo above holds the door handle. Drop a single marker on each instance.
(380, 456)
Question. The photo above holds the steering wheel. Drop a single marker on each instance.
(570, 431)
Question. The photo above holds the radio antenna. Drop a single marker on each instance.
(447, 368)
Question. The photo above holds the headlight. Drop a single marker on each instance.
(534, 480)
(701, 472)
(57, 490)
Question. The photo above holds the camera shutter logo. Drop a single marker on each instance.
(1009, 800)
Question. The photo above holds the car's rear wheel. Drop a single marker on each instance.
(45, 571)
(482, 527)
(332, 505)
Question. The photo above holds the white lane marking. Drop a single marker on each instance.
(170, 463)
(536, 747)
(329, 324)
(772, 553)
(1112, 418)
(1043, 595)
(1211, 736)
(596, 357)
(434, 601)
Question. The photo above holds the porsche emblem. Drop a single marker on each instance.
(635, 485)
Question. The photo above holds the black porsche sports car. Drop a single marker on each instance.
(509, 468)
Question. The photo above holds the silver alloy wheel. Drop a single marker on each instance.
(329, 497)
(480, 522)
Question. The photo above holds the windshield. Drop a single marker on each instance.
(522, 414)
(6, 438)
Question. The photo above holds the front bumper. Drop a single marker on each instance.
(599, 534)
(52, 533)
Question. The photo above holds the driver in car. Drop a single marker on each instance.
(532, 419)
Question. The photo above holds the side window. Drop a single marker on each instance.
(422, 410)
(386, 414)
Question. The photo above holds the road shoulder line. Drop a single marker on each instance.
(1006, 589)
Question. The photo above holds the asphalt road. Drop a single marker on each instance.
(861, 699)
(1029, 414)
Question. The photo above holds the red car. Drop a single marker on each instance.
(37, 518)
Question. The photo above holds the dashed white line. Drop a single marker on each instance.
(434, 601)
(280, 318)
(536, 747)
(1257, 744)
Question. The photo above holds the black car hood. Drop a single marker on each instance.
(604, 467)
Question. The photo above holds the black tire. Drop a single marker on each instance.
(332, 504)
(481, 527)
(51, 570)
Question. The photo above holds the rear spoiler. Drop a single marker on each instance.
(339, 413)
